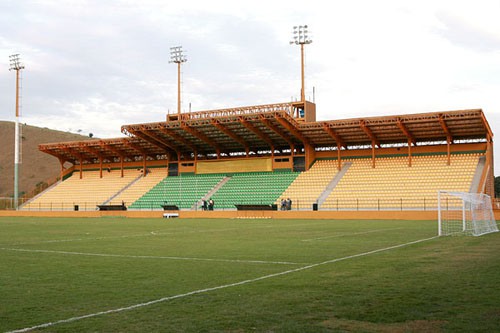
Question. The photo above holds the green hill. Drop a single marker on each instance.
(35, 166)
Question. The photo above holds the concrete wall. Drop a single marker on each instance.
(337, 215)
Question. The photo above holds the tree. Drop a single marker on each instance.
(91, 135)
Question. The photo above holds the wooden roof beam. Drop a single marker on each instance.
(334, 135)
(137, 148)
(263, 136)
(113, 149)
(369, 133)
(275, 129)
(76, 154)
(229, 133)
(292, 129)
(445, 128)
(61, 157)
(406, 131)
(489, 132)
(178, 138)
(161, 141)
(148, 137)
(93, 151)
(202, 137)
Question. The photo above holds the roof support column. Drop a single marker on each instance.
(121, 166)
(310, 155)
(195, 162)
(61, 161)
(100, 166)
(373, 154)
(81, 168)
(144, 165)
(448, 150)
(449, 138)
(409, 153)
(339, 160)
(371, 135)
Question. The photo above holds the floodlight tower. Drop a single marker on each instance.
(177, 56)
(15, 64)
(300, 37)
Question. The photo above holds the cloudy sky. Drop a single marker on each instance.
(92, 66)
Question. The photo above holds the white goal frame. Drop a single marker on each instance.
(461, 213)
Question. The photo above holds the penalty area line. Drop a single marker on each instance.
(349, 234)
(150, 257)
(200, 291)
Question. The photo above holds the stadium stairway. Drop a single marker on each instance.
(330, 187)
(253, 188)
(474, 187)
(123, 189)
(136, 189)
(308, 187)
(85, 193)
(212, 192)
(392, 184)
(182, 191)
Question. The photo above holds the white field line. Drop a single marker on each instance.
(153, 233)
(152, 257)
(149, 234)
(348, 234)
(200, 291)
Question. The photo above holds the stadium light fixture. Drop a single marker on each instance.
(16, 65)
(177, 56)
(301, 37)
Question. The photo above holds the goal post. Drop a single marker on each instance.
(461, 213)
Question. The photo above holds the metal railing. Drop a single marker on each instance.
(359, 204)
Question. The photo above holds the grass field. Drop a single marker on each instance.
(154, 275)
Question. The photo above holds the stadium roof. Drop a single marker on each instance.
(265, 128)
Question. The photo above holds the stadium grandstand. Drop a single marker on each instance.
(275, 157)
(253, 158)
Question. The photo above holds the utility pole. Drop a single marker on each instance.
(15, 64)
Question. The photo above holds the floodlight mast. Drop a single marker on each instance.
(15, 64)
(300, 37)
(177, 56)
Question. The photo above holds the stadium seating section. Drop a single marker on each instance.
(392, 184)
(309, 185)
(253, 188)
(183, 191)
(87, 192)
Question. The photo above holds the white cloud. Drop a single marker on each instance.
(104, 64)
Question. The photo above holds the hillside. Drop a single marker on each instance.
(35, 166)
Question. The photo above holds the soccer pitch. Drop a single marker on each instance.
(244, 275)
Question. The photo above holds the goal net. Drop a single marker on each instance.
(465, 213)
